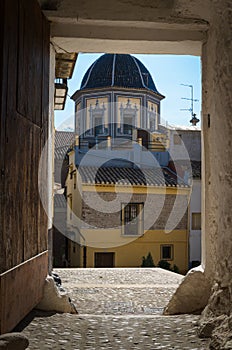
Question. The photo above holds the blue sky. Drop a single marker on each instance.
(168, 73)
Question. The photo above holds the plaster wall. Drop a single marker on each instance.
(129, 254)
(117, 26)
(217, 130)
(217, 185)
(191, 140)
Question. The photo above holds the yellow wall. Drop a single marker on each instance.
(130, 255)
(137, 189)
(74, 196)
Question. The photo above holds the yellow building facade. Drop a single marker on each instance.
(100, 239)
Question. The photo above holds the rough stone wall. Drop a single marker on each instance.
(168, 208)
(158, 205)
(96, 217)
(217, 128)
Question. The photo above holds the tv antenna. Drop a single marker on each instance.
(194, 120)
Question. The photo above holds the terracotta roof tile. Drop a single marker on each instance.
(60, 201)
(63, 140)
(130, 176)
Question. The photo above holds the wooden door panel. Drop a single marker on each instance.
(104, 260)
(24, 102)
(30, 62)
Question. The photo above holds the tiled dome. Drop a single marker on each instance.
(118, 70)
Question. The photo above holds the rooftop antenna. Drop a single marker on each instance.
(194, 120)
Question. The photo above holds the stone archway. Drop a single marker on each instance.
(178, 28)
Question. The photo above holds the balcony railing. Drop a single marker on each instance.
(117, 144)
(154, 146)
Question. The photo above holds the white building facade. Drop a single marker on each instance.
(185, 152)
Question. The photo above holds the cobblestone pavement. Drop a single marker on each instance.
(118, 309)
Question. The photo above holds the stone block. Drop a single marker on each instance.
(12, 341)
(192, 294)
(54, 299)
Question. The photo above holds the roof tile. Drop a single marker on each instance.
(133, 176)
(63, 141)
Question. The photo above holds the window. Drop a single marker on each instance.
(127, 125)
(196, 221)
(166, 252)
(152, 117)
(97, 117)
(128, 115)
(98, 126)
(177, 139)
(132, 219)
(152, 125)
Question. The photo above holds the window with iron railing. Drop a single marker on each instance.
(132, 219)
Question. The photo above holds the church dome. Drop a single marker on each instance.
(118, 70)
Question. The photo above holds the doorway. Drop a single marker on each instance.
(104, 259)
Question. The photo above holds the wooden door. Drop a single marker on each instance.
(104, 260)
(24, 101)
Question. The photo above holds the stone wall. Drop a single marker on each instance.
(217, 184)
(158, 205)
(217, 127)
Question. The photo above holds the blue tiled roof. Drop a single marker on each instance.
(118, 70)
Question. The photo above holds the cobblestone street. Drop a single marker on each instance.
(118, 309)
